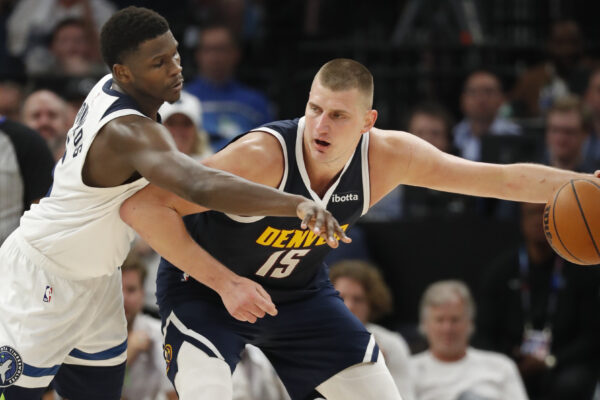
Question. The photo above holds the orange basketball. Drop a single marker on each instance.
(572, 222)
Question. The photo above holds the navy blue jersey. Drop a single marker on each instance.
(274, 251)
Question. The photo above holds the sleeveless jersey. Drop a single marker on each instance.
(274, 251)
(77, 228)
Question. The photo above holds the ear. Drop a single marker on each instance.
(370, 119)
(122, 73)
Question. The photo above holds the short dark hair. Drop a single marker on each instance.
(344, 74)
(126, 30)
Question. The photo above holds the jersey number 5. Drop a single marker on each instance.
(278, 266)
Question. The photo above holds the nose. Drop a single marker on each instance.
(322, 123)
(176, 67)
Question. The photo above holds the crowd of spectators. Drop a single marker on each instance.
(530, 328)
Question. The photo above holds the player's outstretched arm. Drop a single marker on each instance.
(154, 155)
(412, 161)
(154, 215)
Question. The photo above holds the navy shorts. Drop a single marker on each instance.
(308, 342)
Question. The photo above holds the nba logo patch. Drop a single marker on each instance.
(48, 294)
(185, 277)
(11, 366)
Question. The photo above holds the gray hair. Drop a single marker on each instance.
(444, 292)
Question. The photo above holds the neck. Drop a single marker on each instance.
(449, 357)
(480, 127)
(148, 107)
(539, 252)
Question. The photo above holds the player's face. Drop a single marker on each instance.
(448, 328)
(354, 297)
(335, 121)
(133, 294)
(156, 69)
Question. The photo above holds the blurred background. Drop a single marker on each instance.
(496, 80)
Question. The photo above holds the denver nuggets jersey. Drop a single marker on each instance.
(77, 228)
(286, 260)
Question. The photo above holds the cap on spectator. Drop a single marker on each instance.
(187, 105)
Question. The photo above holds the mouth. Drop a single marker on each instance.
(321, 144)
(178, 84)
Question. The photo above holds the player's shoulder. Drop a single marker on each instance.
(286, 126)
(132, 131)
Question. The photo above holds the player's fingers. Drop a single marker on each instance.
(341, 234)
(256, 311)
(249, 317)
(320, 222)
(331, 239)
(264, 301)
(307, 217)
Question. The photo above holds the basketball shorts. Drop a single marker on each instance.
(309, 340)
(49, 323)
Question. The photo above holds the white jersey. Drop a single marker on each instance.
(77, 228)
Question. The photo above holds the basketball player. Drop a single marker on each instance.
(334, 155)
(61, 307)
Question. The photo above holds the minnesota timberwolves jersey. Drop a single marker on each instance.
(77, 228)
(273, 251)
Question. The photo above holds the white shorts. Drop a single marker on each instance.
(47, 320)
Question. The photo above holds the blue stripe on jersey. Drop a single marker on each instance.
(101, 355)
(375, 354)
(35, 372)
(123, 101)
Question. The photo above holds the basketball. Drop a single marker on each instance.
(572, 222)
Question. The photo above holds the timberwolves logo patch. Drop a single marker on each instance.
(168, 353)
(11, 366)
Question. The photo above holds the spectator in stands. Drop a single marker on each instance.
(543, 312)
(566, 71)
(592, 100)
(70, 53)
(11, 98)
(229, 108)
(25, 172)
(567, 132)
(47, 113)
(481, 100)
(433, 123)
(451, 369)
(184, 120)
(32, 22)
(145, 376)
(364, 292)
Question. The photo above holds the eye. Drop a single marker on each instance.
(158, 64)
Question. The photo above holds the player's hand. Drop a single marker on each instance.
(597, 173)
(321, 222)
(246, 300)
